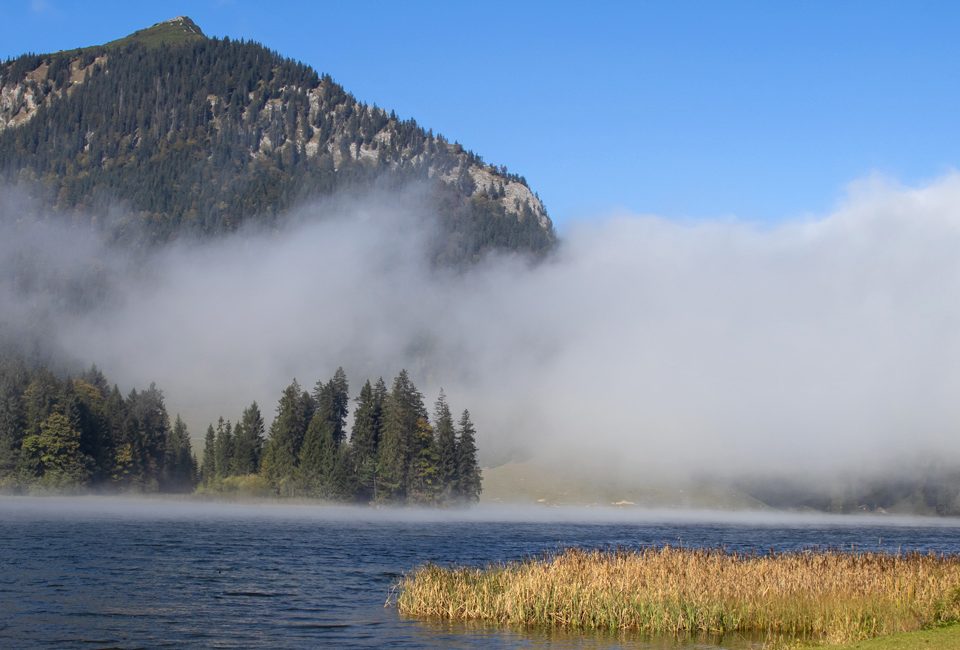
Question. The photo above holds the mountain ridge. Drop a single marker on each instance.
(212, 132)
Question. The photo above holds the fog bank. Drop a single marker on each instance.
(819, 347)
(169, 508)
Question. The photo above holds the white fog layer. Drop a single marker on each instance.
(814, 347)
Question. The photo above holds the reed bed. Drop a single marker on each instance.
(832, 597)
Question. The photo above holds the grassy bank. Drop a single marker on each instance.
(824, 597)
(941, 638)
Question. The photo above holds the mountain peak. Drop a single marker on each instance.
(174, 31)
(184, 23)
(237, 132)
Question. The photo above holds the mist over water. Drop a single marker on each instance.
(823, 347)
(92, 508)
(156, 572)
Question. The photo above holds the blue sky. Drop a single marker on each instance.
(757, 110)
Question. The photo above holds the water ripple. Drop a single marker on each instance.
(103, 581)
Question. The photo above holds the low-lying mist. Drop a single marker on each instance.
(820, 347)
(32, 508)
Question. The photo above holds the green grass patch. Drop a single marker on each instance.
(171, 32)
(941, 638)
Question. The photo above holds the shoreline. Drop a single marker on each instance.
(172, 505)
(807, 596)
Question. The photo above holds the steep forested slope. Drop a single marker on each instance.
(198, 134)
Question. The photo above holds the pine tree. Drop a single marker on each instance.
(13, 381)
(294, 412)
(115, 413)
(343, 480)
(223, 448)
(333, 401)
(402, 408)
(235, 447)
(468, 484)
(317, 457)
(248, 435)
(84, 406)
(365, 439)
(208, 470)
(145, 434)
(446, 437)
(425, 481)
(179, 465)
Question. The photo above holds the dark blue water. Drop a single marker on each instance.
(122, 573)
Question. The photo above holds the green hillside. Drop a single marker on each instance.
(199, 134)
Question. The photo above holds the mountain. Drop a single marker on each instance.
(198, 134)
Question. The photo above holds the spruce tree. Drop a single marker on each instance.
(208, 469)
(365, 440)
(248, 441)
(13, 381)
(333, 400)
(145, 434)
(85, 408)
(343, 480)
(294, 412)
(425, 482)
(223, 448)
(339, 404)
(179, 465)
(402, 408)
(317, 457)
(114, 412)
(235, 445)
(469, 479)
(446, 438)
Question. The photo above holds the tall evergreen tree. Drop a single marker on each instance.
(145, 433)
(402, 409)
(249, 441)
(179, 465)
(318, 456)
(333, 401)
(117, 463)
(294, 412)
(339, 404)
(446, 436)
(208, 469)
(425, 481)
(223, 449)
(85, 408)
(365, 439)
(469, 480)
(13, 381)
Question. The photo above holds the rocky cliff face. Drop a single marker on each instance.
(168, 94)
(19, 101)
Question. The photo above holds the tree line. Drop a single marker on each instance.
(70, 433)
(79, 433)
(394, 454)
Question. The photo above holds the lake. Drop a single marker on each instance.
(114, 572)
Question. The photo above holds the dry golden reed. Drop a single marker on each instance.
(823, 596)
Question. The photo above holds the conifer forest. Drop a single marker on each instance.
(81, 434)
